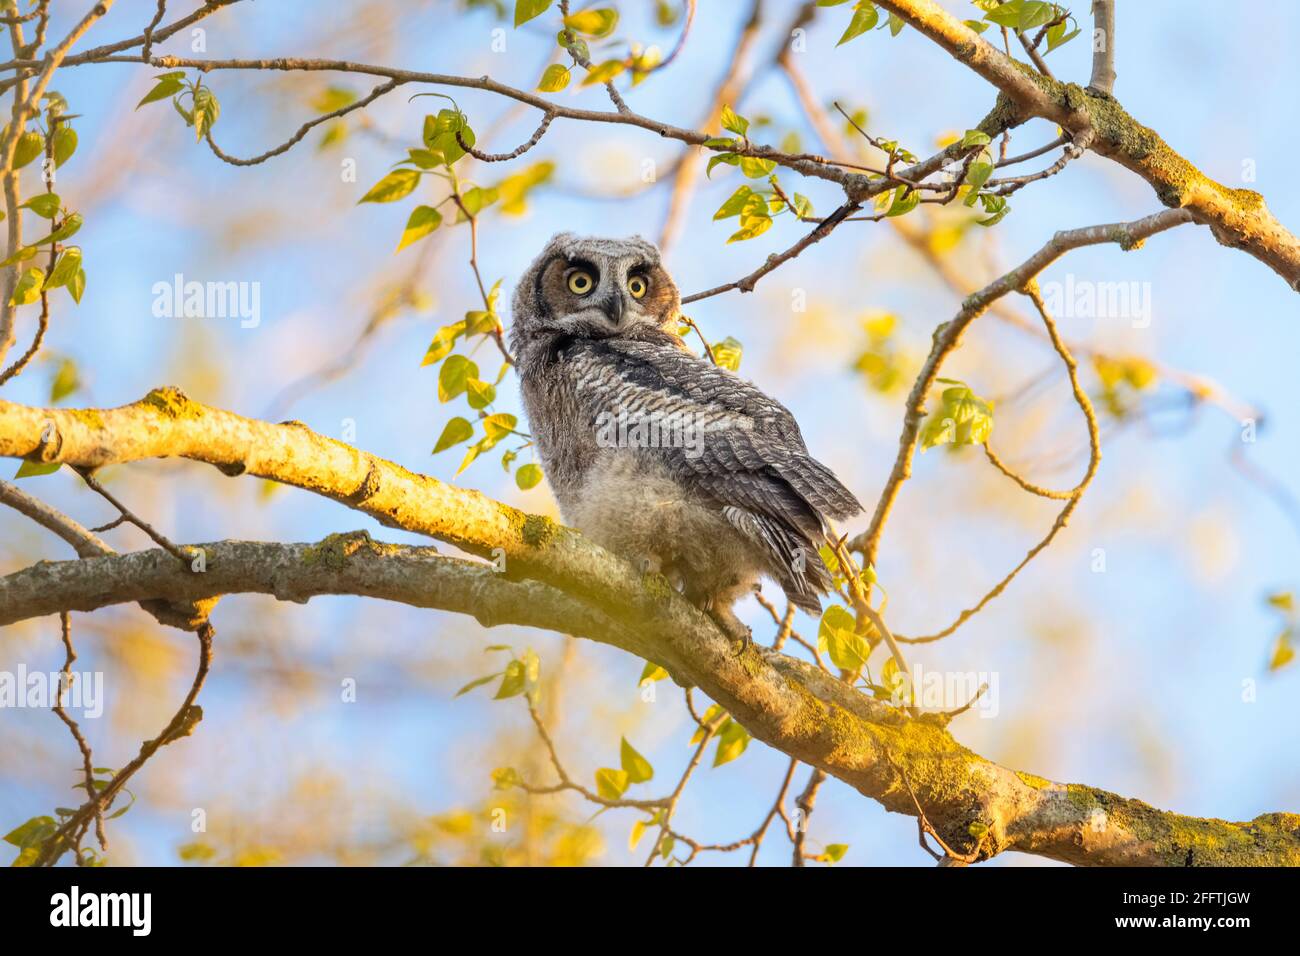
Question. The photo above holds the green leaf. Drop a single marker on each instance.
(454, 376)
(997, 208)
(638, 831)
(65, 268)
(514, 682)
(206, 110)
(479, 394)
(756, 227)
(638, 769)
(1283, 652)
(1006, 15)
(734, 122)
(65, 381)
(526, 10)
(802, 206)
(33, 469)
(1056, 35)
(756, 168)
(976, 176)
(478, 322)
(69, 228)
(837, 634)
(611, 784)
(65, 144)
(21, 255)
(651, 672)
(168, 85)
(453, 433)
(963, 418)
(30, 145)
(528, 476)
(77, 287)
(45, 205)
(497, 427)
(713, 713)
(503, 778)
(440, 135)
(896, 24)
(396, 185)
(593, 23)
(333, 98)
(34, 831)
(443, 342)
(423, 220)
(476, 199)
(1282, 600)
(554, 78)
(477, 682)
(975, 137)
(833, 853)
(727, 353)
(735, 203)
(865, 17)
(604, 72)
(29, 287)
(732, 741)
(905, 200)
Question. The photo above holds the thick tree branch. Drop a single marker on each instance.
(974, 804)
(556, 580)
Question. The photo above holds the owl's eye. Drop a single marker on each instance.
(580, 282)
(637, 286)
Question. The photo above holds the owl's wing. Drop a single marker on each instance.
(747, 454)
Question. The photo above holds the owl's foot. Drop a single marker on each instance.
(731, 626)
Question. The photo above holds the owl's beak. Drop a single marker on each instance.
(613, 307)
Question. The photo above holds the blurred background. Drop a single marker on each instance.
(1134, 655)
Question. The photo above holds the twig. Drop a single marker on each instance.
(1094, 461)
(747, 283)
(87, 761)
(303, 130)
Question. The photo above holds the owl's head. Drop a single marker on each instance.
(581, 287)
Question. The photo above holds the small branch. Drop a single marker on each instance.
(82, 540)
(1094, 460)
(181, 725)
(747, 283)
(514, 153)
(128, 515)
(1103, 47)
(948, 335)
(87, 761)
(303, 130)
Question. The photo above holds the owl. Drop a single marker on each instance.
(658, 455)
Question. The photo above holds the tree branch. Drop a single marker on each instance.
(977, 806)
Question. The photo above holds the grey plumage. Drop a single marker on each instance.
(654, 453)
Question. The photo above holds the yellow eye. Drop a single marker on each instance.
(580, 283)
(637, 286)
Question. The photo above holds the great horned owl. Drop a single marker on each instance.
(662, 457)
